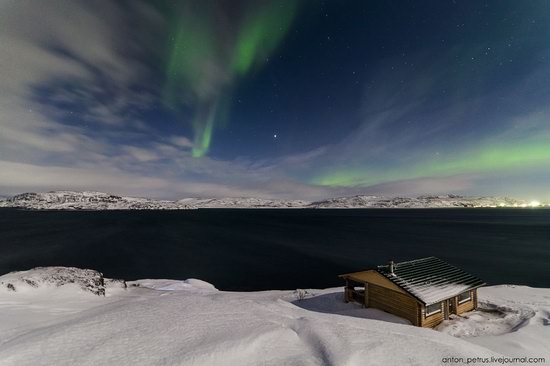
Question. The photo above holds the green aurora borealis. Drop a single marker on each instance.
(210, 53)
(293, 99)
(486, 160)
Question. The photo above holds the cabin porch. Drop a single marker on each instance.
(355, 291)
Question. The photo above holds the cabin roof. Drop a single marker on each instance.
(430, 280)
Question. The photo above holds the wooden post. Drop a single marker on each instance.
(346, 292)
(366, 298)
(454, 301)
(446, 309)
(475, 298)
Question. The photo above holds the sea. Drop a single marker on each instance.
(262, 249)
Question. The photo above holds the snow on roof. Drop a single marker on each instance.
(430, 279)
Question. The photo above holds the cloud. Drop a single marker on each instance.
(78, 82)
(423, 126)
(19, 177)
(181, 141)
(414, 187)
(74, 90)
(140, 154)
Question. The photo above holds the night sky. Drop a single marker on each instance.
(284, 99)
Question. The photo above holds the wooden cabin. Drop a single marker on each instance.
(424, 291)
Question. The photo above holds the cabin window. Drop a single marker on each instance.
(464, 297)
(433, 309)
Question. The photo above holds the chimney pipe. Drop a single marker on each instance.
(391, 267)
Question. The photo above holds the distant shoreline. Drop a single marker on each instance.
(97, 201)
(268, 208)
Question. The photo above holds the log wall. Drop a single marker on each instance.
(393, 302)
(431, 321)
(467, 305)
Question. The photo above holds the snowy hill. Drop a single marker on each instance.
(240, 203)
(169, 322)
(445, 201)
(69, 200)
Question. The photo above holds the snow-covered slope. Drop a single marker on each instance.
(68, 200)
(168, 322)
(418, 202)
(240, 203)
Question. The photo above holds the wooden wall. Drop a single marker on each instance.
(393, 302)
(432, 320)
(468, 305)
(435, 319)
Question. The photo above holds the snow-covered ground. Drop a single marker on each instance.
(512, 320)
(55, 321)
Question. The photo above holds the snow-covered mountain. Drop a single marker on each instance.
(69, 200)
(240, 203)
(59, 318)
(442, 201)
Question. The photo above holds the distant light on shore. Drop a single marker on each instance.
(534, 204)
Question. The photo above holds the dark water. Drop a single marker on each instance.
(277, 249)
